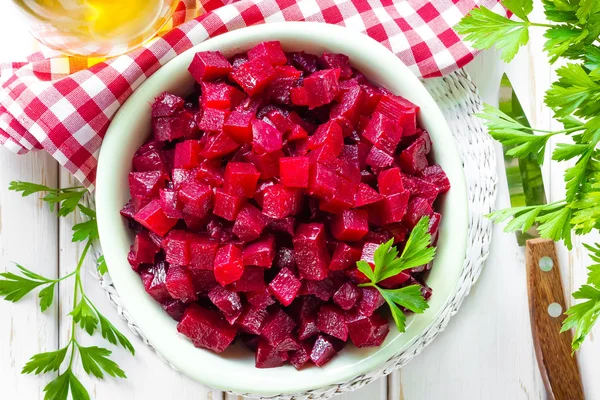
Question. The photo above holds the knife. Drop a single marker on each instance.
(557, 365)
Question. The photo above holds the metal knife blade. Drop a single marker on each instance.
(525, 184)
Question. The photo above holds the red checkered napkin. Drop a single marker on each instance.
(64, 104)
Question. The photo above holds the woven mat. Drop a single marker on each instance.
(458, 99)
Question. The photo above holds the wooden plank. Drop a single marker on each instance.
(27, 236)
(148, 376)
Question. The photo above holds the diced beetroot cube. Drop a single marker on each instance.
(322, 351)
(179, 284)
(330, 134)
(220, 95)
(279, 201)
(261, 299)
(213, 119)
(239, 126)
(181, 175)
(277, 117)
(414, 159)
(195, 198)
(383, 133)
(349, 164)
(434, 227)
(254, 76)
(229, 266)
(336, 60)
(322, 87)
(420, 188)
(204, 280)
(209, 65)
(166, 105)
(154, 282)
(267, 164)
(378, 158)
(300, 357)
(400, 110)
(187, 154)
(269, 357)
(344, 256)
(218, 145)
(240, 179)
(260, 188)
(266, 138)
(350, 225)
(366, 195)
(347, 296)
(177, 247)
(249, 224)
(202, 252)
(308, 63)
(323, 289)
(321, 181)
(299, 96)
(311, 255)
(436, 175)
(370, 301)
(152, 217)
(331, 320)
(252, 320)
(128, 211)
(227, 301)
(149, 161)
(350, 106)
(142, 251)
(390, 181)
(285, 287)
(285, 80)
(174, 308)
(277, 327)
(417, 209)
(260, 253)
(210, 172)
(269, 51)
(252, 280)
(227, 205)
(168, 203)
(394, 207)
(146, 184)
(356, 276)
(290, 343)
(394, 282)
(140, 202)
(206, 329)
(180, 125)
(368, 331)
(294, 171)
(284, 225)
(368, 252)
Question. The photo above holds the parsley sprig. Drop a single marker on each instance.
(417, 251)
(13, 287)
(573, 34)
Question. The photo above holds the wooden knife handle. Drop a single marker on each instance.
(553, 349)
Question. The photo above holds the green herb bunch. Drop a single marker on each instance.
(417, 252)
(13, 287)
(572, 34)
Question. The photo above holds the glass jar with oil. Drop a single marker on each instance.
(95, 28)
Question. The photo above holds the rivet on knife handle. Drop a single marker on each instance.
(546, 305)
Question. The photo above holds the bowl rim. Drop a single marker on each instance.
(214, 370)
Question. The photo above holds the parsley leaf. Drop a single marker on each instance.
(58, 389)
(102, 267)
(85, 316)
(14, 287)
(583, 316)
(45, 362)
(417, 251)
(112, 334)
(66, 198)
(485, 29)
(95, 360)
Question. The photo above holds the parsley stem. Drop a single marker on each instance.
(78, 287)
(541, 25)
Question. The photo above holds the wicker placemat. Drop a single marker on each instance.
(458, 99)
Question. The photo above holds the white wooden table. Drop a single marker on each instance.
(485, 353)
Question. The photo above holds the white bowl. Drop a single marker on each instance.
(234, 370)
